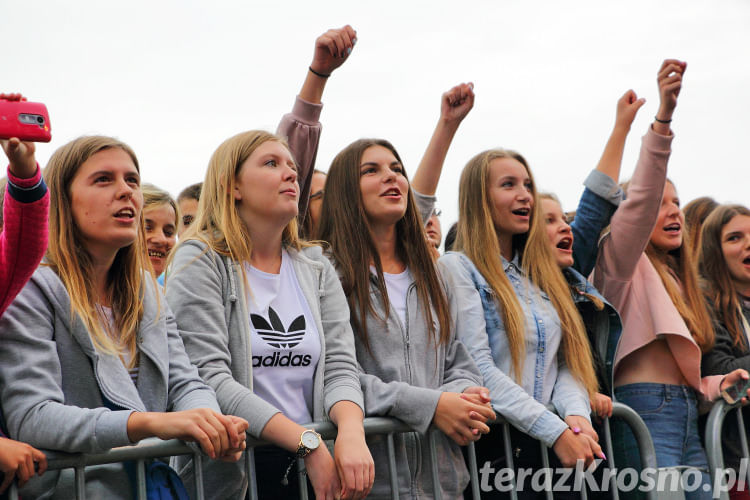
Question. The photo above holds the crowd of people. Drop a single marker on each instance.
(274, 294)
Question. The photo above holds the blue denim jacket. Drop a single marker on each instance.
(598, 203)
(545, 378)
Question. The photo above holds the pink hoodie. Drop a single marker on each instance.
(628, 280)
(23, 240)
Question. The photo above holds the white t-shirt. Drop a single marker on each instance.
(284, 341)
(397, 285)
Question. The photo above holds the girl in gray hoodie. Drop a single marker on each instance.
(412, 367)
(91, 358)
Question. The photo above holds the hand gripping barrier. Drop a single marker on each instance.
(153, 448)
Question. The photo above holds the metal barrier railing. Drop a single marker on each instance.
(714, 451)
(153, 448)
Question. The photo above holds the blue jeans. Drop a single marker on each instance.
(671, 415)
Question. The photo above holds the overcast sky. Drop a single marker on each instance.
(175, 78)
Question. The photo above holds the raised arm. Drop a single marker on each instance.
(602, 194)
(634, 221)
(302, 127)
(454, 106)
(25, 217)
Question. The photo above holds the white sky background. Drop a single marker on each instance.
(174, 79)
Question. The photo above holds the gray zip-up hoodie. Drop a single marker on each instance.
(53, 383)
(403, 376)
(207, 293)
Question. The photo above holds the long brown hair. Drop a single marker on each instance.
(73, 264)
(718, 285)
(477, 238)
(695, 214)
(345, 228)
(678, 272)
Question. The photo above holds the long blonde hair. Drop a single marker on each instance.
(678, 272)
(477, 238)
(67, 256)
(218, 223)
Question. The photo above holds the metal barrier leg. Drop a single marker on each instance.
(545, 464)
(473, 471)
(302, 477)
(392, 472)
(611, 460)
(743, 443)
(198, 470)
(713, 443)
(13, 491)
(80, 483)
(434, 466)
(252, 480)
(509, 459)
(140, 479)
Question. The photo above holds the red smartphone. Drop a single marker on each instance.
(29, 121)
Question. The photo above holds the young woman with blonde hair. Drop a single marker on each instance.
(516, 315)
(575, 246)
(93, 332)
(161, 216)
(245, 286)
(645, 269)
(263, 315)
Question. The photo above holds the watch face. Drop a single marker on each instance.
(310, 440)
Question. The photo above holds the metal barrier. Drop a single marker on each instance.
(153, 448)
(714, 451)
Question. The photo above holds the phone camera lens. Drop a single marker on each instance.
(40, 119)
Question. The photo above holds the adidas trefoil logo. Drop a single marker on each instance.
(275, 334)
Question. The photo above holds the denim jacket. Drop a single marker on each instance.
(603, 327)
(545, 378)
(598, 203)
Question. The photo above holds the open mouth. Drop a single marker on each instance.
(392, 192)
(565, 244)
(156, 253)
(521, 212)
(746, 260)
(673, 228)
(125, 213)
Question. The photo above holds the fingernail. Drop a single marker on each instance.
(603, 456)
(348, 50)
(354, 41)
(576, 430)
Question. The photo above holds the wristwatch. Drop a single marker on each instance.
(308, 442)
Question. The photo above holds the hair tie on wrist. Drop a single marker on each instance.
(655, 118)
(322, 75)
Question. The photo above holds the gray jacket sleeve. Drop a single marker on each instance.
(341, 381)
(30, 384)
(508, 398)
(194, 292)
(425, 205)
(415, 406)
(186, 389)
(460, 370)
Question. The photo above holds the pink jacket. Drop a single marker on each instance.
(302, 128)
(25, 231)
(628, 280)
